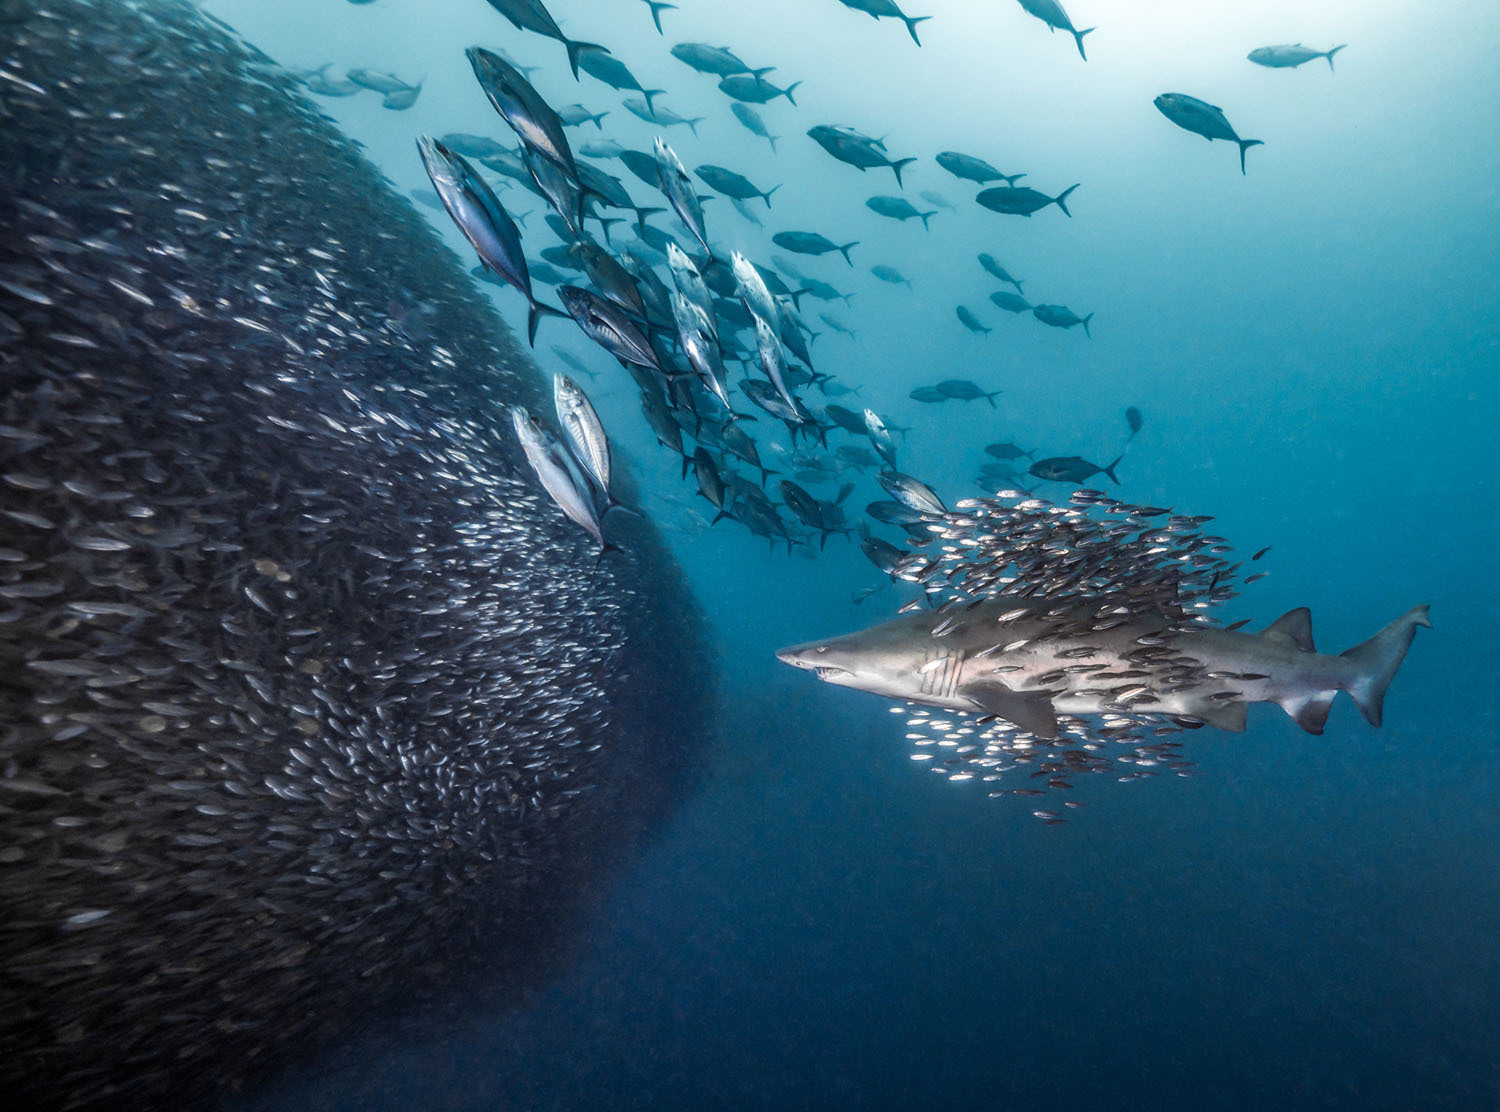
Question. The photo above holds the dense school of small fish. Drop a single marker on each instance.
(306, 689)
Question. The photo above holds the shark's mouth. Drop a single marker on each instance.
(828, 673)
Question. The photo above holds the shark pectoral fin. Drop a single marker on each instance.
(1309, 711)
(1032, 711)
(1224, 715)
(1296, 625)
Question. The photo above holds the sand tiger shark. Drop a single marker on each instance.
(1028, 661)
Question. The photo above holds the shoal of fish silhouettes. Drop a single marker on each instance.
(717, 342)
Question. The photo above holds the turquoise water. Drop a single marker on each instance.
(1308, 921)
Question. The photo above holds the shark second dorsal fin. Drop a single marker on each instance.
(1032, 711)
(1296, 625)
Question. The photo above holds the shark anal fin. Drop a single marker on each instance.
(1221, 714)
(1309, 711)
(1032, 711)
(1296, 625)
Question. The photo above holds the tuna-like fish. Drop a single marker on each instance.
(772, 361)
(992, 265)
(733, 185)
(1051, 13)
(898, 208)
(585, 434)
(752, 121)
(911, 493)
(1201, 118)
(661, 117)
(750, 287)
(755, 89)
(890, 275)
(532, 15)
(677, 187)
(600, 64)
(813, 243)
(964, 390)
(1074, 469)
(699, 338)
(880, 437)
(887, 9)
(1060, 316)
(1010, 302)
(1015, 660)
(558, 473)
(609, 326)
(483, 221)
(974, 169)
(717, 60)
(522, 107)
(1289, 56)
(1022, 200)
(859, 151)
(971, 322)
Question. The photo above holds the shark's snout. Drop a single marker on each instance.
(793, 655)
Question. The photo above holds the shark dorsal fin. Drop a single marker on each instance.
(1296, 625)
(1222, 715)
(1032, 711)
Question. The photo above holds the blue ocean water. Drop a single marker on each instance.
(1308, 922)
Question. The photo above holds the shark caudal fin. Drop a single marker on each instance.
(1377, 660)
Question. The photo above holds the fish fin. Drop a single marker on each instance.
(1017, 283)
(657, 7)
(1085, 323)
(1331, 53)
(720, 516)
(911, 26)
(896, 168)
(1228, 715)
(613, 503)
(926, 216)
(787, 92)
(1078, 38)
(759, 73)
(576, 48)
(772, 138)
(1309, 711)
(1377, 660)
(648, 94)
(845, 249)
(990, 397)
(534, 315)
(1032, 710)
(766, 196)
(693, 125)
(1245, 145)
(1296, 625)
(1061, 200)
(1109, 468)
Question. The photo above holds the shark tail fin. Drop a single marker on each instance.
(1245, 145)
(1061, 200)
(1377, 660)
(911, 26)
(898, 166)
(1078, 38)
(1331, 53)
(577, 48)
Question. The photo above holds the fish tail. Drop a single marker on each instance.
(1017, 284)
(926, 216)
(657, 7)
(911, 26)
(990, 397)
(1109, 468)
(766, 196)
(1245, 145)
(1331, 53)
(534, 315)
(896, 167)
(758, 74)
(1078, 38)
(576, 48)
(693, 124)
(720, 516)
(845, 249)
(648, 94)
(642, 212)
(598, 119)
(787, 92)
(772, 138)
(1377, 660)
(1061, 200)
(1085, 323)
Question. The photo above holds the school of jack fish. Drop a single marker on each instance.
(308, 694)
(219, 476)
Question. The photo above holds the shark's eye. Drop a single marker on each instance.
(822, 648)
